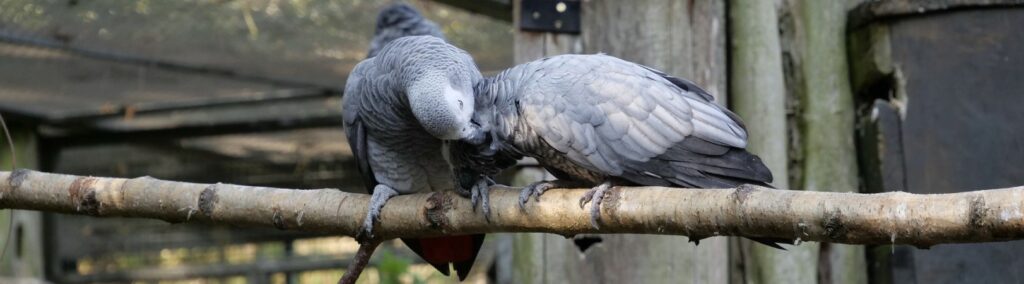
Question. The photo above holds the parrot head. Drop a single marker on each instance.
(437, 81)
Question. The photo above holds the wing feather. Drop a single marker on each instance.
(603, 112)
(355, 129)
(611, 116)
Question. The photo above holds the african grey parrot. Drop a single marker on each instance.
(399, 20)
(596, 120)
(398, 107)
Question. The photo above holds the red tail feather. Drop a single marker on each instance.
(447, 249)
(442, 251)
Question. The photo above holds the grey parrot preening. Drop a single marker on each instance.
(398, 108)
(399, 20)
(599, 121)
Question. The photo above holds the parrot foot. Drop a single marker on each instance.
(538, 188)
(480, 196)
(381, 194)
(595, 194)
(535, 190)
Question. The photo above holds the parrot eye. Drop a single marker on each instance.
(460, 104)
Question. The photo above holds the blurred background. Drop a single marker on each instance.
(244, 92)
(865, 96)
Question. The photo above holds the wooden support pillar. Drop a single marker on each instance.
(535, 257)
(827, 124)
(758, 94)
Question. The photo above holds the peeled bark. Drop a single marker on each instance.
(750, 211)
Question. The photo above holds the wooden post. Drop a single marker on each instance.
(534, 257)
(24, 255)
(759, 96)
(680, 38)
(827, 125)
(683, 39)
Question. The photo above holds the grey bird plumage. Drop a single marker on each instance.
(599, 121)
(400, 20)
(397, 109)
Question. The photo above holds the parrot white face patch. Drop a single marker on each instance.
(461, 104)
(442, 110)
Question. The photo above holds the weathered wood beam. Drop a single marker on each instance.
(871, 11)
(498, 10)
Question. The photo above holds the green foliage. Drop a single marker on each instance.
(392, 268)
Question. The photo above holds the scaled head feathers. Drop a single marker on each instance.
(435, 78)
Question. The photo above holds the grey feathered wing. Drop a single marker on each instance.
(627, 120)
(355, 130)
(630, 121)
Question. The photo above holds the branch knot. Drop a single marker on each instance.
(207, 200)
(17, 177)
(83, 195)
(436, 209)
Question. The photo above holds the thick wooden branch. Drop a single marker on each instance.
(896, 217)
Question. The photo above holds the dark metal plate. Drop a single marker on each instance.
(964, 125)
(550, 16)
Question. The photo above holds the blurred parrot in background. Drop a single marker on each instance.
(400, 20)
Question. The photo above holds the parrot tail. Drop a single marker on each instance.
(459, 251)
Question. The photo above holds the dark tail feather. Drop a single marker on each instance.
(442, 251)
(702, 164)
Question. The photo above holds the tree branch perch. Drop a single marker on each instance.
(751, 211)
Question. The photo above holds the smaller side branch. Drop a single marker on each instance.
(359, 262)
(750, 211)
